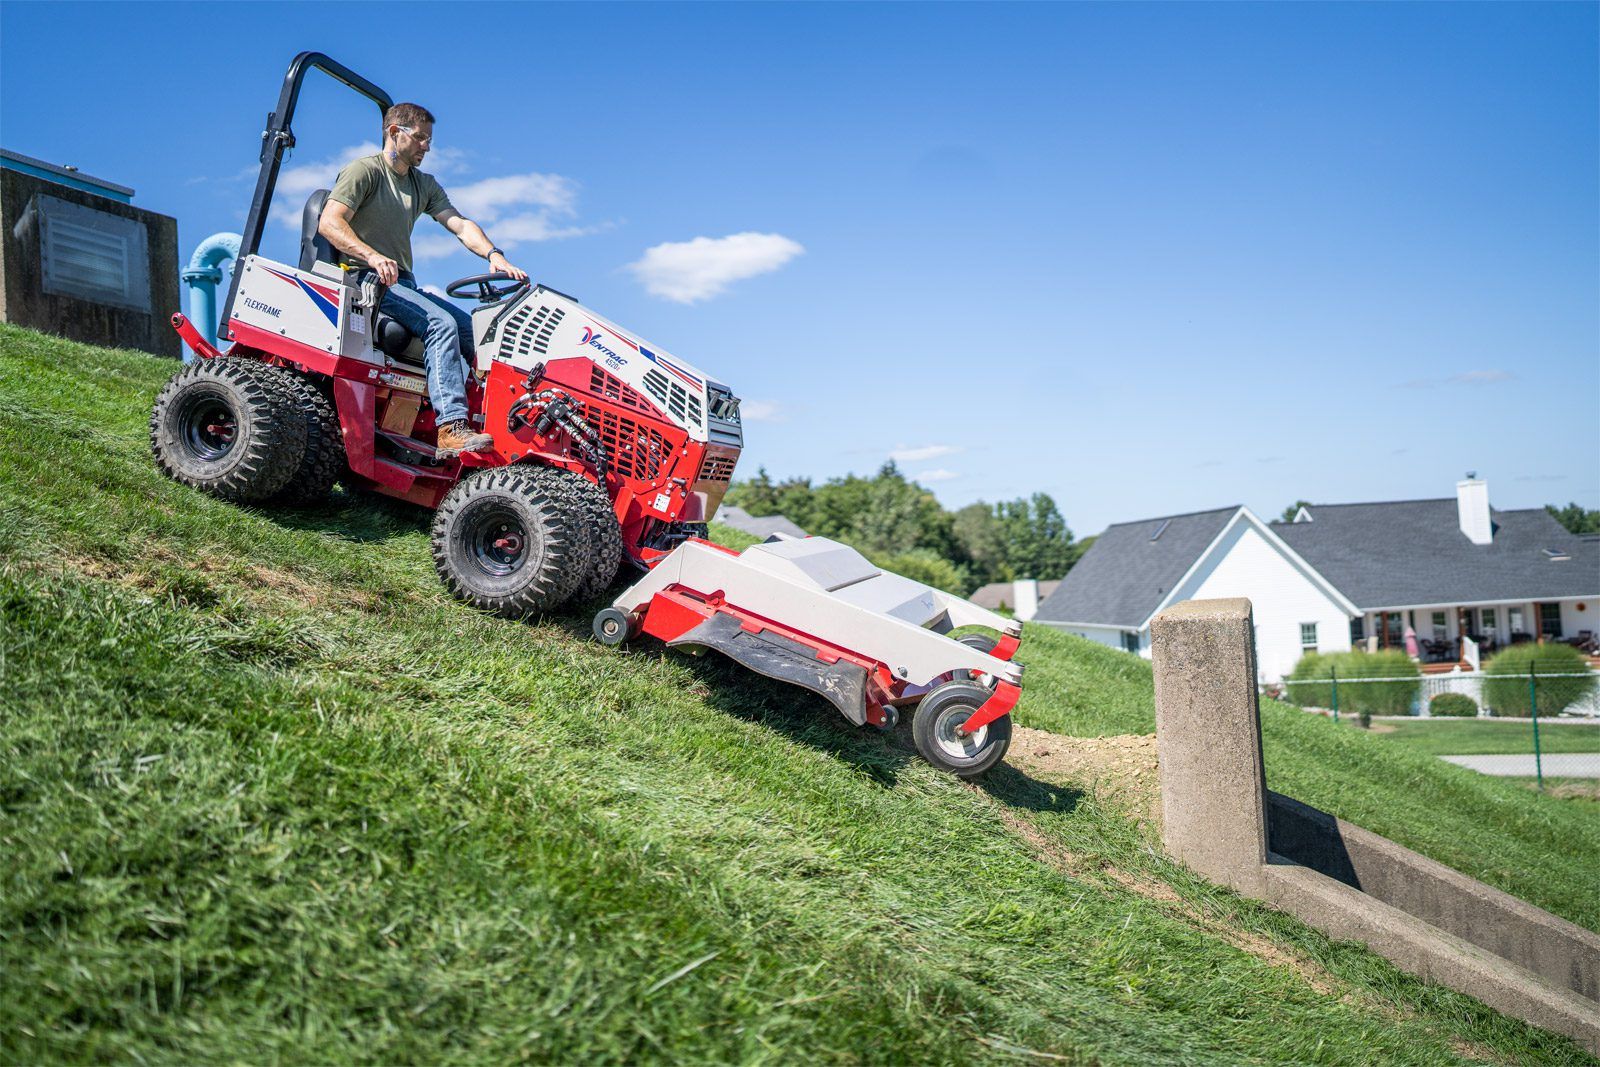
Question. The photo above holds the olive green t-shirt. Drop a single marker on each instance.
(385, 205)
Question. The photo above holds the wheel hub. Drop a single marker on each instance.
(955, 743)
(208, 428)
(497, 541)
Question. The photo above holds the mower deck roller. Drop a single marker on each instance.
(815, 613)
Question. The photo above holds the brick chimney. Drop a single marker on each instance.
(1472, 509)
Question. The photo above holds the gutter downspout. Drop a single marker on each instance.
(202, 275)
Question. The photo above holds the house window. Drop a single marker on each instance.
(1514, 620)
(1439, 629)
(1488, 621)
(1308, 637)
(1358, 630)
(93, 255)
(1550, 620)
(1130, 642)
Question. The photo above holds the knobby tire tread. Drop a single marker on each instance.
(271, 426)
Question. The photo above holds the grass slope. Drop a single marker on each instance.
(266, 793)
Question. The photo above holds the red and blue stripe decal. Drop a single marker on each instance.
(326, 299)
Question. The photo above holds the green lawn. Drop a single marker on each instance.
(267, 794)
(1472, 737)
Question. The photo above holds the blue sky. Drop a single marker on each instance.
(1147, 258)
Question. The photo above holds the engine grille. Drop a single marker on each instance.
(609, 387)
(673, 397)
(636, 451)
(528, 330)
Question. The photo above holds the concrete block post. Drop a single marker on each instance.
(1208, 740)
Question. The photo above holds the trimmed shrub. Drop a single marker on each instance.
(1304, 685)
(1505, 689)
(1372, 697)
(1453, 704)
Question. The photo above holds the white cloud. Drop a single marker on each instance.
(689, 271)
(906, 454)
(760, 411)
(484, 201)
(939, 474)
(534, 201)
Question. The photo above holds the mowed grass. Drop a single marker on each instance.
(267, 794)
(1473, 737)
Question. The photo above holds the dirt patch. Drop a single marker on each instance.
(1120, 770)
(154, 573)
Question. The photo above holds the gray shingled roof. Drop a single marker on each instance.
(1125, 575)
(1001, 594)
(757, 525)
(1413, 552)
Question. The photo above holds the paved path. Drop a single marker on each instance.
(1555, 764)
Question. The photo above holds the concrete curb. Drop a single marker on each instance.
(1346, 881)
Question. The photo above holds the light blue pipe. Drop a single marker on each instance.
(201, 276)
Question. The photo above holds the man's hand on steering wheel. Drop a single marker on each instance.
(500, 263)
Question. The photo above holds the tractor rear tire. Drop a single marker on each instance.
(605, 537)
(933, 729)
(226, 428)
(324, 460)
(511, 540)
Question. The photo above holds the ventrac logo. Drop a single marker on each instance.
(591, 339)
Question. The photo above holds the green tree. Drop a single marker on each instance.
(982, 541)
(1038, 541)
(1293, 509)
(1576, 519)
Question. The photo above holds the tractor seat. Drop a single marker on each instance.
(389, 336)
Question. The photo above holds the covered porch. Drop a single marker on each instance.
(1448, 634)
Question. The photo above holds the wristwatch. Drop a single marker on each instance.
(493, 251)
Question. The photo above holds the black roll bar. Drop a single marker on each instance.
(275, 140)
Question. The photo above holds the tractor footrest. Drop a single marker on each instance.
(843, 684)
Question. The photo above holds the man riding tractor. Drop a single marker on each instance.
(368, 218)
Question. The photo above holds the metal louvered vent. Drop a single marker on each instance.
(718, 468)
(528, 331)
(609, 387)
(636, 450)
(678, 401)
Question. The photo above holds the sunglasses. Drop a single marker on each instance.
(428, 140)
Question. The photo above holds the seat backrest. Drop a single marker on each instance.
(314, 246)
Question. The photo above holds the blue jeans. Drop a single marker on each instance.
(446, 333)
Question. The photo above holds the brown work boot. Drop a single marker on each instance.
(457, 437)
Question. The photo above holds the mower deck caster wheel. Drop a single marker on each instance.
(936, 730)
(613, 626)
(891, 719)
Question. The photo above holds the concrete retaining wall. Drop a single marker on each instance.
(1352, 884)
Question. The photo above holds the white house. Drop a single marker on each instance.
(1342, 574)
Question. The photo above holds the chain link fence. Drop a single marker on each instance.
(1545, 725)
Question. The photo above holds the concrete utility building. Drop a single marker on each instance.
(78, 260)
(1456, 572)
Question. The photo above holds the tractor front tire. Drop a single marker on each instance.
(229, 429)
(605, 536)
(324, 459)
(511, 540)
(933, 729)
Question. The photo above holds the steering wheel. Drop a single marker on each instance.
(487, 293)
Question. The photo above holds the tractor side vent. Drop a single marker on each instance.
(636, 451)
(608, 387)
(673, 397)
(528, 331)
(718, 468)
